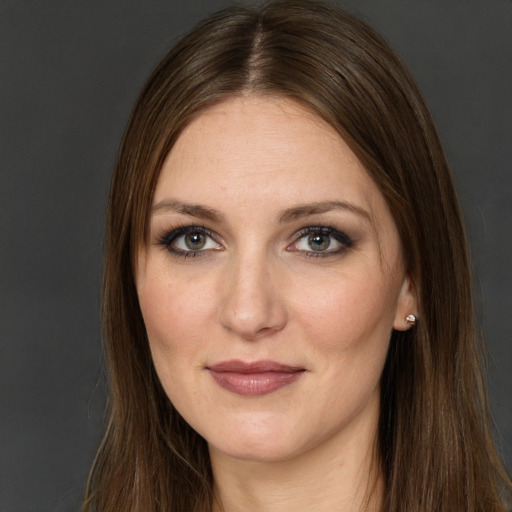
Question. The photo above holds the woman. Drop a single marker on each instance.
(287, 303)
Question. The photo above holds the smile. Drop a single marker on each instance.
(254, 379)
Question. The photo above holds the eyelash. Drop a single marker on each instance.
(169, 237)
(341, 237)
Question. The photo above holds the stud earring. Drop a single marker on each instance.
(410, 319)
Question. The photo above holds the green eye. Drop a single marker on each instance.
(195, 241)
(319, 241)
(190, 241)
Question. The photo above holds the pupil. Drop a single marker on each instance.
(195, 241)
(318, 242)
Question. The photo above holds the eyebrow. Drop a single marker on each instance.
(194, 210)
(300, 211)
(288, 215)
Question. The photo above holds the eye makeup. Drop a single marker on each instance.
(318, 241)
(189, 241)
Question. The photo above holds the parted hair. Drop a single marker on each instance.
(435, 443)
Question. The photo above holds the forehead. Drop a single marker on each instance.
(267, 148)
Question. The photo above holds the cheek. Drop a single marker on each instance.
(348, 328)
(172, 316)
(176, 316)
(354, 312)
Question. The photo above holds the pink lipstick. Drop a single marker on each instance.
(253, 379)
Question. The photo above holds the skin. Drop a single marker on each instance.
(258, 291)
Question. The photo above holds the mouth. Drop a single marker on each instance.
(254, 379)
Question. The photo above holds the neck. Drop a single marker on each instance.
(341, 474)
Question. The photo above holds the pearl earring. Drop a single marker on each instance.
(410, 319)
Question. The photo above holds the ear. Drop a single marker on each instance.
(407, 304)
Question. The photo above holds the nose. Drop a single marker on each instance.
(252, 306)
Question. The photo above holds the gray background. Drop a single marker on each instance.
(69, 73)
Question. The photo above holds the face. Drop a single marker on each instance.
(271, 282)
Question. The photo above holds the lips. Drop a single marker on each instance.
(254, 379)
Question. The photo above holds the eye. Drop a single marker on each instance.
(194, 241)
(189, 241)
(321, 241)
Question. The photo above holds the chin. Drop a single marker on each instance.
(262, 444)
(250, 451)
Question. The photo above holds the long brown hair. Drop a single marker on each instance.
(435, 443)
